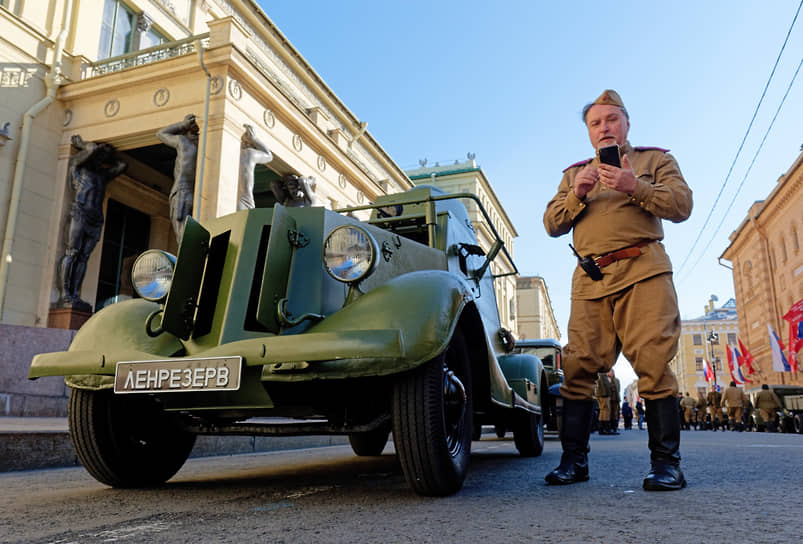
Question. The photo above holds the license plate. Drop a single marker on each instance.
(212, 374)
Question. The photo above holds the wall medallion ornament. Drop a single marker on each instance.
(161, 97)
(360, 197)
(298, 143)
(321, 163)
(67, 117)
(341, 180)
(235, 89)
(269, 118)
(216, 85)
(112, 107)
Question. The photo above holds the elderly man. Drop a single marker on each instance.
(623, 297)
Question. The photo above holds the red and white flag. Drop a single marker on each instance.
(745, 358)
(795, 318)
(731, 363)
(709, 374)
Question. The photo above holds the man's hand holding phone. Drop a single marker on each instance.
(614, 173)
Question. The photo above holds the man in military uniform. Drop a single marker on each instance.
(623, 297)
(714, 399)
(732, 400)
(767, 404)
(688, 406)
(602, 392)
(614, 398)
(700, 412)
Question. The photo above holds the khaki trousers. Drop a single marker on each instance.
(604, 408)
(641, 321)
(735, 413)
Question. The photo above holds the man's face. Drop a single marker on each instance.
(607, 125)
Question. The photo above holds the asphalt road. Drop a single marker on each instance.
(743, 487)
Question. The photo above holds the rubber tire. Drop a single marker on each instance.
(798, 423)
(476, 433)
(528, 434)
(370, 443)
(126, 440)
(434, 452)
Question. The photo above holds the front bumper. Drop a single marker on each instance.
(313, 355)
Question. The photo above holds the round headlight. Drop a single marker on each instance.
(152, 274)
(349, 253)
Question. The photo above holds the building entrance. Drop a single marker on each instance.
(126, 234)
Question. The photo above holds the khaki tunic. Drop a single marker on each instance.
(633, 309)
(714, 398)
(700, 407)
(688, 404)
(767, 404)
(602, 391)
(615, 389)
(732, 399)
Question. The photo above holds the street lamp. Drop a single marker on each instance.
(713, 338)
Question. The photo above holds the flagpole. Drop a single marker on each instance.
(712, 338)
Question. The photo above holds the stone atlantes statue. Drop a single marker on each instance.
(89, 171)
(183, 137)
(296, 191)
(252, 152)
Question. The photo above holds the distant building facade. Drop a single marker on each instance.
(535, 317)
(767, 259)
(468, 177)
(706, 338)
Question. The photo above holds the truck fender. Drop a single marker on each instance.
(524, 372)
(115, 328)
(424, 306)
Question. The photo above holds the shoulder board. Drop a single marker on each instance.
(647, 148)
(578, 163)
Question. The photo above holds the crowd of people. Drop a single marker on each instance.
(731, 409)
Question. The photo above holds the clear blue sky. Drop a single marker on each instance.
(507, 81)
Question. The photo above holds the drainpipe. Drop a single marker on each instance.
(196, 207)
(52, 81)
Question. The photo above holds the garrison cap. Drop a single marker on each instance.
(609, 97)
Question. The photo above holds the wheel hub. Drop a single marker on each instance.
(454, 395)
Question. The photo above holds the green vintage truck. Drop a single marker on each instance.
(290, 321)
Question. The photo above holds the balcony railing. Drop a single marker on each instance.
(147, 56)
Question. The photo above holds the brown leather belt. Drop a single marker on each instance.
(624, 253)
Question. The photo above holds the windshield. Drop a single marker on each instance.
(546, 354)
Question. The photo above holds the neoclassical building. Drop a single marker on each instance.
(706, 337)
(119, 71)
(765, 251)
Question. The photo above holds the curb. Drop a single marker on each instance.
(32, 449)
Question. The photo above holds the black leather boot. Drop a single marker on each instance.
(663, 425)
(575, 431)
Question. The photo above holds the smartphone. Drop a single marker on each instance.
(610, 155)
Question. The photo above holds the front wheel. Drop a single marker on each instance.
(432, 421)
(528, 434)
(126, 441)
(798, 422)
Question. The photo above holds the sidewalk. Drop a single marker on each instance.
(29, 443)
